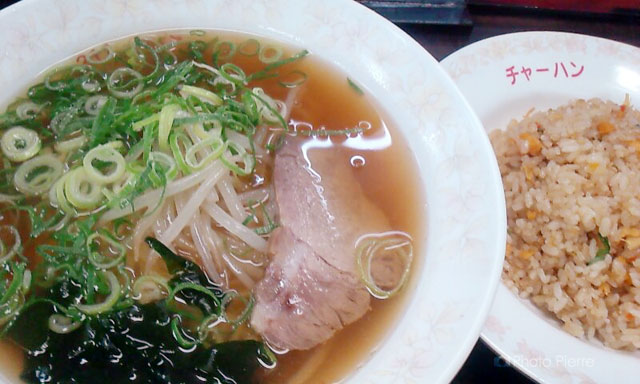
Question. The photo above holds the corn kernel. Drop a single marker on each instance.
(605, 127)
(534, 144)
(526, 255)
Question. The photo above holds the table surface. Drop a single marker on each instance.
(482, 365)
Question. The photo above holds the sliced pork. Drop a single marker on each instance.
(311, 288)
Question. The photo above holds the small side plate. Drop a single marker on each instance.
(503, 78)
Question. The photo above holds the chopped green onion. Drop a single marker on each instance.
(14, 296)
(201, 93)
(210, 325)
(62, 324)
(220, 46)
(184, 340)
(267, 108)
(266, 357)
(246, 312)
(100, 260)
(105, 153)
(270, 224)
(28, 110)
(330, 132)
(149, 288)
(173, 262)
(602, 252)
(193, 287)
(109, 301)
(165, 122)
(211, 149)
(165, 161)
(37, 175)
(20, 144)
(101, 126)
(55, 85)
(138, 43)
(174, 143)
(233, 73)
(106, 52)
(249, 47)
(81, 190)
(93, 104)
(269, 54)
(394, 244)
(266, 71)
(61, 198)
(138, 125)
(231, 160)
(124, 88)
(6, 255)
(17, 270)
(71, 144)
(294, 79)
(11, 199)
(355, 87)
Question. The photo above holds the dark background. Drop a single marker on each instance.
(476, 20)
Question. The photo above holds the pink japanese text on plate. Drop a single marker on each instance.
(559, 69)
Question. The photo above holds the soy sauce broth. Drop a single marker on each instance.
(382, 163)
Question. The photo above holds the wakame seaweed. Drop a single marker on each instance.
(133, 345)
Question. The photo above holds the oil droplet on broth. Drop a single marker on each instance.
(357, 161)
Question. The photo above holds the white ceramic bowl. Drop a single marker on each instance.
(564, 66)
(465, 212)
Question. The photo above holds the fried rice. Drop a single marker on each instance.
(572, 183)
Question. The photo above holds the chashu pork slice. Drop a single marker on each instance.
(311, 288)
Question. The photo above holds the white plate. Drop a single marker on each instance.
(465, 212)
(595, 67)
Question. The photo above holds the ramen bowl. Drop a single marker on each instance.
(462, 241)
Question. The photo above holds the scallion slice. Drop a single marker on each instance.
(233, 73)
(165, 122)
(193, 287)
(224, 50)
(208, 150)
(28, 110)
(70, 145)
(293, 79)
(184, 340)
(99, 259)
(125, 83)
(101, 56)
(174, 142)
(37, 175)
(8, 254)
(20, 144)
(166, 162)
(106, 153)
(62, 324)
(82, 191)
(269, 54)
(201, 93)
(249, 47)
(385, 245)
(246, 311)
(109, 301)
(149, 288)
(241, 156)
(93, 104)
